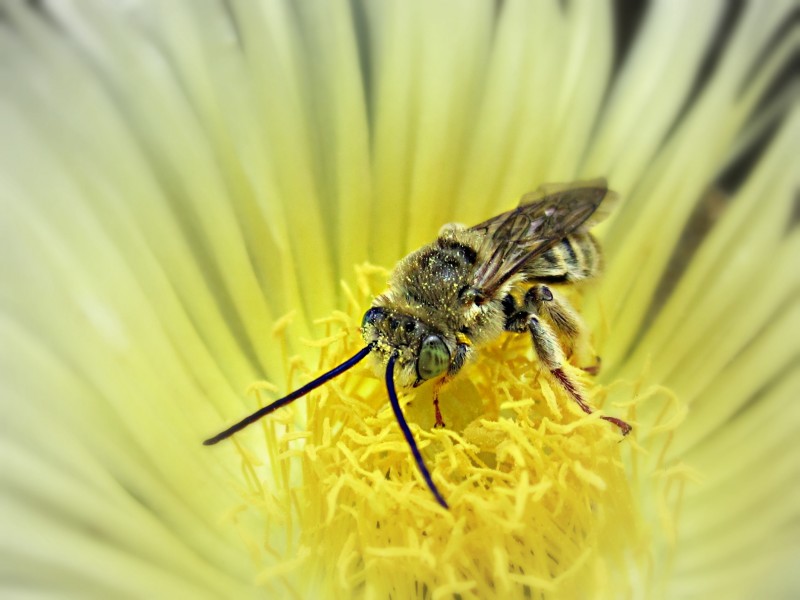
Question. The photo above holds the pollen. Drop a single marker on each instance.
(544, 499)
(463, 339)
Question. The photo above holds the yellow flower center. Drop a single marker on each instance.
(544, 499)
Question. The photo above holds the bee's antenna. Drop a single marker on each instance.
(407, 432)
(298, 393)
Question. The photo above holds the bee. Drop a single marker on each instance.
(447, 299)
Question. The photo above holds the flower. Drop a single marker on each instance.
(176, 179)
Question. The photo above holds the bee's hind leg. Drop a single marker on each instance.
(556, 310)
(548, 347)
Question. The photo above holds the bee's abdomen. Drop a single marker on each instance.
(574, 258)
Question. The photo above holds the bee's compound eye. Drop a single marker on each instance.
(372, 316)
(434, 357)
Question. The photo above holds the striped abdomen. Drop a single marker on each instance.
(574, 258)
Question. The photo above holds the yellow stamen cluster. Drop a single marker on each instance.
(542, 503)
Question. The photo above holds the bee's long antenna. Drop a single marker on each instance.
(407, 432)
(298, 393)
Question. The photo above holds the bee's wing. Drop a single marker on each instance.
(541, 220)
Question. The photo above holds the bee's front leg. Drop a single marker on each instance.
(463, 350)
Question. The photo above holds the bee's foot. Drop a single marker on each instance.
(593, 369)
(439, 424)
(624, 427)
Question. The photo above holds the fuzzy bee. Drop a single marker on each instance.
(468, 287)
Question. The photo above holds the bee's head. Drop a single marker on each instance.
(422, 352)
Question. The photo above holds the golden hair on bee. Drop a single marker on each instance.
(470, 285)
